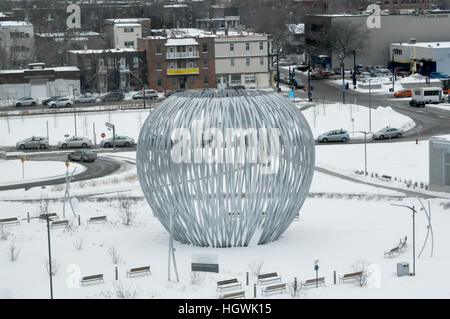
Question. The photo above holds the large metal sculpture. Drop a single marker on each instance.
(231, 167)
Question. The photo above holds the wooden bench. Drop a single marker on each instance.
(60, 223)
(312, 282)
(50, 215)
(393, 252)
(9, 221)
(230, 283)
(93, 278)
(138, 271)
(97, 219)
(351, 276)
(278, 287)
(234, 295)
(269, 277)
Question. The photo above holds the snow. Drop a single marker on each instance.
(178, 42)
(15, 24)
(34, 171)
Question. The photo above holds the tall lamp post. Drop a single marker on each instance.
(414, 212)
(354, 69)
(365, 150)
(370, 105)
(74, 112)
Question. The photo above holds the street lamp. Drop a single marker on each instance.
(365, 150)
(370, 105)
(414, 212)
(316, 268)
(74, 111)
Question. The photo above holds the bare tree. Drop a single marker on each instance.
(362, 265)
(255, 267)
(78, 243)
(55, 267)
(13, 251)
(4, 234)
(124, 292)
(126, 213)
(114, 254)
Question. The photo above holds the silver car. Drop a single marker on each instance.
(61, 102)
(75, 141)
(387, 132)
(85, 98)
(120, 141)
(82, 156)
(33, 142)
(26, 101)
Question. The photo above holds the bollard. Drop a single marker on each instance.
(247, 278)
(254, 291)
(117, 274)
(28, 216)
(79, 220)
(334, 276)
(417, 141)
(295, 286)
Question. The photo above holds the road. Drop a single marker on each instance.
(103, 166)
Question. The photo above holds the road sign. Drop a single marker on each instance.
(103, 135)
(110, 125)
(22, 159)
(291, 94)
(67, 163)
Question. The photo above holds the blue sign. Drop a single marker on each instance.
(291, 94)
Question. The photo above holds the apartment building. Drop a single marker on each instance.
(16, 43)
(123, 33)
(242, 58)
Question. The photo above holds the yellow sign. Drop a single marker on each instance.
(22, 159)
(67, 163)
(183, 71)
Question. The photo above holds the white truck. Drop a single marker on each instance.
(422, 96)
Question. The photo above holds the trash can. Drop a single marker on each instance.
(402, 269)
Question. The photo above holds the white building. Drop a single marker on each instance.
(242, 58)
(439, 161)
(123, 33)
(16, 42)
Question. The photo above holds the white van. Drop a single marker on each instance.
(422, 96)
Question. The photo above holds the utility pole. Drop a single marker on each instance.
(74, 113)
(370, 105)
(143, 95)
(393, 74)
(309, 84)
(354, 69)
(365, 150)
(278, 69)
(343, 79)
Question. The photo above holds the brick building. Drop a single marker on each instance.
(397, 5)
(179, 62)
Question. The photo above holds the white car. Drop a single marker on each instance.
(85, 98)
(120, 141)
(61, 102)
(75, 141)
(26, 101)
(149, 94)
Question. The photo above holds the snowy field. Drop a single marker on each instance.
(11, 171)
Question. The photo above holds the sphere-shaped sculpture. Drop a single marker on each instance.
(228, 167)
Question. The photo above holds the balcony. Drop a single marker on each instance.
(183, 55)
(184, 71)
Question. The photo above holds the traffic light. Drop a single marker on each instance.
(293, 73)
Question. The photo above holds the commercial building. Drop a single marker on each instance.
(439, 149)
(182, 61)
(242, 58)
(39, 81)
(394, 28)
(111, 69)
(123, 33)
(16, 43)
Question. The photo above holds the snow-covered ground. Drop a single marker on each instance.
(11, 171)
(324, 117)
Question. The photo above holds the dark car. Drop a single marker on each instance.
(82, 156)
(297, 84)
(237, 87)
(174, 91)
(113, 97)
(50, 99)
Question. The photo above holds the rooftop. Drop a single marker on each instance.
(15, 24)
(433, 45)
(56, 69)
(99, 51)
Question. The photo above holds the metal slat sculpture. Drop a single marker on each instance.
(232, 167)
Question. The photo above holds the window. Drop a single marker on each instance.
(129, 44)
(249, 78)
(235, 79)
(159, 82)
(205, 80)
(158, 66)
(247, 46)
(135, 62)
(101, 63)
(261, 60)
(231, 46)
(205, 48)
(158, 50)
(205, 64)
(110, 63)
(261, 46)
(172, 65)
(88, 63)
(397, 52)
(247, 61)
(231, 62)
(128, 30)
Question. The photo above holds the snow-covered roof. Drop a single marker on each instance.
(129, 20)
(184, 41)
(103, 51)
(56, 69)
(63, 34)
(15, 24)
(124, 25)
(296, 28)
(433, 45)
(198, 33)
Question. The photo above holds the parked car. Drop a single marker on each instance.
(438, 75)
(149, 94)
(75, 141)
(82, 156)
(120, 141)
(169, 93)
(26, 101)
(286, 62)
(33, 142)
(49, 99)
(387, 132)
(112, 97)
(61, 102)
(85, 98)
(403, 93)
(334, 136)
(237, 87)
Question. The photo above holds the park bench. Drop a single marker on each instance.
(138, 270)
(269, 277)
(230, 283)
(234, 295)
(93, 278)
(312, 282)
(51, 216)
(386, 178)
(9, 221)
(278, 287)
(97, 219)
(351, 276)
(59, 223)
(393, 252)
